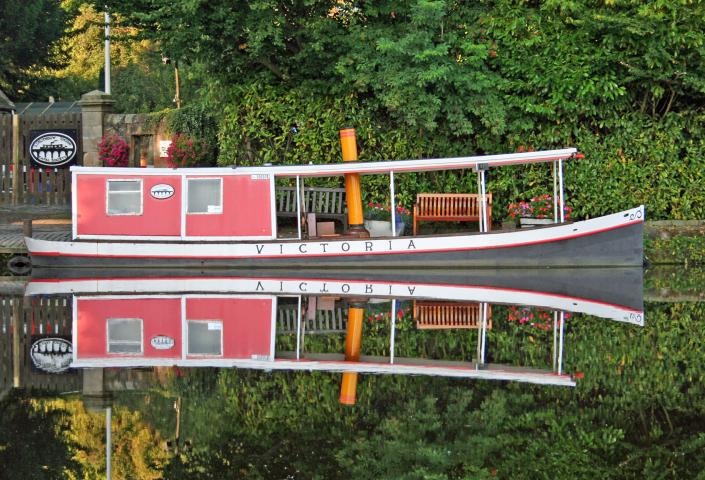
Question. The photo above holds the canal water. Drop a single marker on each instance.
(487, 374)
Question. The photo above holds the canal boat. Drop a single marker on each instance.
(226, 217)
(237, 322)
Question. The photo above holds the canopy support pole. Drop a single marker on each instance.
(298, 330)
(555, 340)
(555, 191)
(561, 318)
(481, 191)
(481, 337)
(561, 203)
(394, 327)
(392, 203)
(298, 206)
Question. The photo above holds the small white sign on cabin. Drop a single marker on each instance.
(163, 147)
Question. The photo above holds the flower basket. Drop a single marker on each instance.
(537, 211)
(535, 317)
(527, 222)
(378, 219)
(383, 228)
(383, 310)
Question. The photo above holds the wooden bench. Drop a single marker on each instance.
(324, 202)
(450, 207)
(430, 315)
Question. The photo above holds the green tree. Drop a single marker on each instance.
(140, 81)
(31, 444)
(30, 30)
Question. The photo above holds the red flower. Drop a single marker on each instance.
(113, 151)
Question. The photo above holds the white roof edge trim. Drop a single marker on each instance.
(342, 168)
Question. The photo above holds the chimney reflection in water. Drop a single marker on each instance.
(353, 337)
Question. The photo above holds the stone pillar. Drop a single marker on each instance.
(93, 382)
(94, 106)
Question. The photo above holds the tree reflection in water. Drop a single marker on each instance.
(634, 412)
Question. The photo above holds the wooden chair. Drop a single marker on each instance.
(326, 203)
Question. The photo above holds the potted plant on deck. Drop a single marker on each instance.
(535, 212)
(378, 219)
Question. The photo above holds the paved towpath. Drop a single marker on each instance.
(12, 239)
(50, 222)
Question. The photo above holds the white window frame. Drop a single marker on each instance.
(108, 193)
(108, 342)
(188, 334)
(188, 186)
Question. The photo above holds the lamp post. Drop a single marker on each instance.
(177, 96)
(107, 51)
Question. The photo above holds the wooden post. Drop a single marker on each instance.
(17, 173)
(27, 228)
(353, 337)
(353, 197)
(177, 97)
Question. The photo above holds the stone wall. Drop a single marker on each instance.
(143, 133)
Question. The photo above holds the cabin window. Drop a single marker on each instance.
(205, 195)
(205, 337)
(124, 197)
(125, 335)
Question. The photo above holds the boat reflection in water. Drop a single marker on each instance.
(263, 321)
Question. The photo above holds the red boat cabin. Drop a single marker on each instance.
(156, 204)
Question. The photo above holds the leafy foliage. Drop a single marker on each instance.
(186, 152)
(30, 30)
(636, 412)
(623, 81)
(31, 445)
(684, 250)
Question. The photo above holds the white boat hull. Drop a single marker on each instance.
(610, 241)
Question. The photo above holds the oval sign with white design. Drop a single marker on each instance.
(53, 149)
(162, 191)
(162, 342)
(52, 355)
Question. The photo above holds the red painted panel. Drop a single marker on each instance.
(161, 316)
(247, 323)
(247, 210)
(159, 217)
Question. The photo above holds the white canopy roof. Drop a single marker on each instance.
(384, 166)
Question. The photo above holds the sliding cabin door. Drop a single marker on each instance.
(229, 207)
